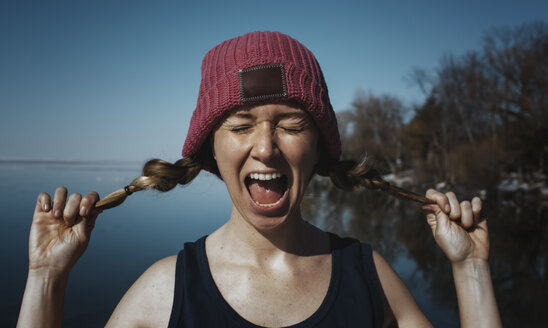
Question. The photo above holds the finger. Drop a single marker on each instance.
(440, 199)
(432, 221)
(467, 217)
(455, 206)
(483, 225)
(59, 199)
(87, 225)
(43, 202)
(70, 212)
(476, 209)
(438, 222)
(88, 202)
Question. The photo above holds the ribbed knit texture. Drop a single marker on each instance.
(220, 88)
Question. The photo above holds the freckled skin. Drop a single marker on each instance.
(255, 258)
(277, 137)
(272, 267)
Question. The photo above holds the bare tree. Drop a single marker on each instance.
(373, 126)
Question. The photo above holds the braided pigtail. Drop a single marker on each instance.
(157, 174)
(349, 175)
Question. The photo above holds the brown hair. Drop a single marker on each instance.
(158, 174)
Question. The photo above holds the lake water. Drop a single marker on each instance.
(152, 225)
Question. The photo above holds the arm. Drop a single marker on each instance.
(149, 301)
(59, 235)
(400, 308)
(466, 244)
(43, 300)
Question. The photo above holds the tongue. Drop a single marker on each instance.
(266, 192)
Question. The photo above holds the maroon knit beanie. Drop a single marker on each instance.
(256, 68)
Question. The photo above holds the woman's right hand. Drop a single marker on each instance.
(60, 232)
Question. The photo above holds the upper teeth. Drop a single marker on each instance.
(267, 176)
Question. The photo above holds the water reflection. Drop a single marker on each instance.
(126, 240)
(398, 230)
(152, 225)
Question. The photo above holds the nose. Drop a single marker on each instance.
(265, 147)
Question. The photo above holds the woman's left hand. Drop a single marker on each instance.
(457, 226)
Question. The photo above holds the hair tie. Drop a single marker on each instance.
(128, 192)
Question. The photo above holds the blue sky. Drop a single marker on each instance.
(118, 80)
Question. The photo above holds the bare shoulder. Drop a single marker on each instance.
(400, 306)
(149, 300)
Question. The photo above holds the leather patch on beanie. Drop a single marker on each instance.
(262, 82)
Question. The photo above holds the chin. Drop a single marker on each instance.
(269, 224)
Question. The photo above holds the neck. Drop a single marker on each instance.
(292, 237)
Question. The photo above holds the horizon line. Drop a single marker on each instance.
(64, 161)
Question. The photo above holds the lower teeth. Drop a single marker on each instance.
(268, 205)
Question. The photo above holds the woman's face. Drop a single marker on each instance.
(266, 155)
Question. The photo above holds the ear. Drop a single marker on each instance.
(211, 146)
(319, 152)
(322, 160)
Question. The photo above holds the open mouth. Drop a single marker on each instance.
(266, 189)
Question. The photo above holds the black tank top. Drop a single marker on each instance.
(353, 298)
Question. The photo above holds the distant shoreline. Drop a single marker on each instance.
(66, 161)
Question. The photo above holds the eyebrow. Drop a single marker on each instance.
(241, 114)
(296, 114)
(299, 114)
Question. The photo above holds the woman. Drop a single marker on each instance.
(264, 124)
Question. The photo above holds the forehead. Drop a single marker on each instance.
(268, 111)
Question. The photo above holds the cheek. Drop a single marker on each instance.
(227, 152)
(304, 154)
(313, 149)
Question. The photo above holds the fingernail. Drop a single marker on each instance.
(447, 208)
(46, 207)
(57, 214)
(83, 211)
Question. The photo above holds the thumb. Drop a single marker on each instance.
(444, 224)
(483, 225)
(435, 216)
(85, 227)
(89, 225)
(432, 221)
(437, 219)
(90, 221)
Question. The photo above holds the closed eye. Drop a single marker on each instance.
(240, 129)
(292, 129)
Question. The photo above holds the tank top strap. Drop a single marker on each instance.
(373, 282)
(186, 258)
(353, 299)
(360, 274)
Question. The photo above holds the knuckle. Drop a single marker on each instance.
(75, 196)
(435, 192)
(93, 196)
